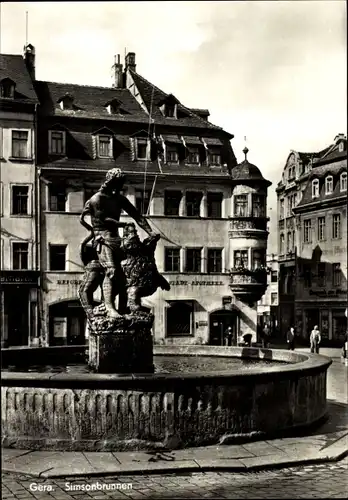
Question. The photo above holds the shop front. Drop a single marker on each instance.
(19, 308)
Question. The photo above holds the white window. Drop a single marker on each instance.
(307, 231)
(20, 255)
(105, 146)
(315, 188)
(329, 184)
(321, 228)
(56, 142)
(343, 181)
(20, 144)
(336, 226)
(142, 149)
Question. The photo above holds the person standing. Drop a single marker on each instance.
(229, 336)
(266, 335)
(315, 340)
(290, 339)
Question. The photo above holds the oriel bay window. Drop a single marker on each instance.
(57, 198)
(172, 260)
(20, 195)
(142, 200)
(241, 259)
(20, 253)
(193, 260)
(20, 144)
(259, 205)
(57, 257)
(214, 205)
(258, 259)
(193, 203)
(172, 202)
(241, 205)
(214, 260)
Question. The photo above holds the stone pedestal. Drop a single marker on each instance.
(122, 345)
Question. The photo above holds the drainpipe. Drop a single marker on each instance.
(37, 205)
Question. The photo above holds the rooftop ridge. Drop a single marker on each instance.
(82, 85)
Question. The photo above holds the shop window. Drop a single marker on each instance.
(214, 260)
(343, 181)
(142, 200)
(179, 319)
(315, 188)
(339, 325)
(20, 198)
(20, 144)
(57, 257)
(274, 276)
(307, 231)
(172, 201)
(241, 205)
(104, 146)
(321, 278)
(336, 274)
(336, 226)
(56, 142)
(214, 203)
(259, 205)
(321, 228)
(193, 260)
(20, 253)
(193, 203)
(241, 259)
(172, 260)
(57, 199)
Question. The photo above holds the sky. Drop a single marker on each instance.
(274, 72)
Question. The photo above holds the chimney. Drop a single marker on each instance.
(117, 73)
(29, 58)
(130, 61)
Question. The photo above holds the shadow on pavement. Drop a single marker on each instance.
(337, 419)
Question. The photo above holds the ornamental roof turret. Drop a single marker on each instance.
(246, 171)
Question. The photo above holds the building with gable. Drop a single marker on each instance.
(312, 214)
(19, 252)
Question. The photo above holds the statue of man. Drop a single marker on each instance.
(104, 209)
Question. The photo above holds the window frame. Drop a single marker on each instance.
(315, 188)
(140, 141)
(110, 146)
(195, 269)
(53, 186)
(343, 177)
(282, 208)
(28, 155)
(219, 197)
(245, 205)
(165, 202)
(55, 245)
(16, 242)
(321, 228)
(219, 259)
(50, 142)
(193, 151)
(144, 200)
(329, 184)
(241, 251)
(281, 243)
(336, 227)
(169, 150)
(191, 204)
(178, 257)
(262, 259)
(28, 197)
(307, 230)
(336, 274)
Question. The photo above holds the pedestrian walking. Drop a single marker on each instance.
(229, 336)
(315, 340)
(266, 335)
(290, 339)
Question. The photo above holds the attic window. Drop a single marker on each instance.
(7, 88)
(105, 146)
(169, 109)
(341, 147)
(329, 184)
(66, 102)
(315, 188)
(113, 107)
(343, 181)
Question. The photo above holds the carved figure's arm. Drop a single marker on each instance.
(136, 215)
(86, 211)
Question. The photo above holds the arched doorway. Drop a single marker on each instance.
(219, 321)
(67, 323)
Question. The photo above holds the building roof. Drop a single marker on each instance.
(246, 171)
(14, 68)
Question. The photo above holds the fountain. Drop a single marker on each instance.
(133, 395)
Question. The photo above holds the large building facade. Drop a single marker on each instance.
(19, 251)
(312, 218)
(267, 307)
(182, 174)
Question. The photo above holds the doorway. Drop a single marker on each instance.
(219, 322)
(16, 309)
(67, 323)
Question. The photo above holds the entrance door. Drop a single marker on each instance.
(218, 328)
(17, 311)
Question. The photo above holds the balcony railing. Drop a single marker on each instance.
(239, 223)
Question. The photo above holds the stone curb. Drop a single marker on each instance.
(230, 465)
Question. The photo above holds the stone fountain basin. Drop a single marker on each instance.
(110, 412)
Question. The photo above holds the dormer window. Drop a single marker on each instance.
(66, 102)
(113, 107)
(104, 146)
(56, 142)
(315, 188)
(291, 173)
(343, 181)
(7, 88)
(169, 106)
(329, 184)
(142, 149)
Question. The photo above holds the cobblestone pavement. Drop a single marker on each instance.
(315, 481)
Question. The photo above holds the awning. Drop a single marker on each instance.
(173, 139)
(212, 141)
(192, 141)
